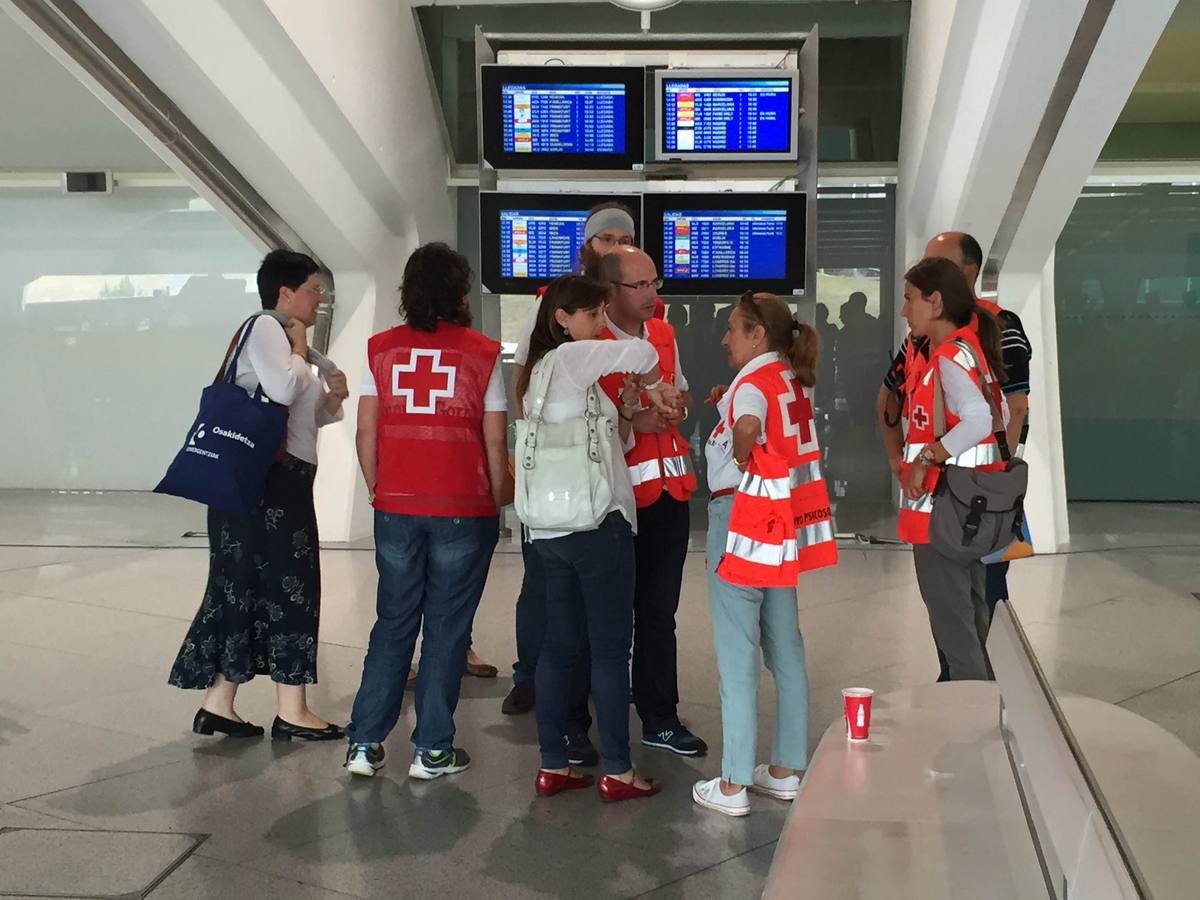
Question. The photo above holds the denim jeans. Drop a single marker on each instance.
(746, 620)
(531, 634)
(589, 598)
(432, 570)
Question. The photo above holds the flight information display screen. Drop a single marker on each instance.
(725, 243)
(583, 118)
(540, 243)
(736, 115)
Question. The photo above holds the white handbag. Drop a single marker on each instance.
(564, 471)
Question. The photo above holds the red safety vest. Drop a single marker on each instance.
(780, 524)
(429, 440)
(913, 523)
(656, 462)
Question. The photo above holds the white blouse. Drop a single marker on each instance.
(578, 365)
(267, 359)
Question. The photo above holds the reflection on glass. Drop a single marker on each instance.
(1127, 291)
(116, 311)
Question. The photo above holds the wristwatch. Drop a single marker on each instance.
(926, 455)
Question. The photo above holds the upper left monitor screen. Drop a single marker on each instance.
(563, 117)
(527, 240)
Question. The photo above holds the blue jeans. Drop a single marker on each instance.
(531, 634)
(432, 570)
(745, 620)
(589, 598)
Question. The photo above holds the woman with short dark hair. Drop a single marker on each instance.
(261, 607)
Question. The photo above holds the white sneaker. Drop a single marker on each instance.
(364, 759)
(779, 788)
(708, 794)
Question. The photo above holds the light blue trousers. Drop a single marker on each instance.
(748, 622)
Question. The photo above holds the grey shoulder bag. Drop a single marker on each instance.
(976, 513)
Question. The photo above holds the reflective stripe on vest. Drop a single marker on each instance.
(971, 458)
(781, 488)
(765, 554)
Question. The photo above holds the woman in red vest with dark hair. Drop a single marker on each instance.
(768, 522)
(965, 359)
(433, 449)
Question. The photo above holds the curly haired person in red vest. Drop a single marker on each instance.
(432, 445)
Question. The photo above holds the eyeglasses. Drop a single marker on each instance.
(608, 240)
(319, 289)
(657, 283)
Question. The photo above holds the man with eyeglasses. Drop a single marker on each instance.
(660, 467)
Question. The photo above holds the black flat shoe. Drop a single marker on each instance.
(285, 731)
(210, 723)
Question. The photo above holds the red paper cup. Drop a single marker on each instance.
(856, 703)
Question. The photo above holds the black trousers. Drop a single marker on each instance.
(660, 552)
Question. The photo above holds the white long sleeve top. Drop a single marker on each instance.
(267, 359)
(965, 400)
(577, 366)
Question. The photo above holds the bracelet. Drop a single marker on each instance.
(739, 463)
(650, 387)
(623, 417)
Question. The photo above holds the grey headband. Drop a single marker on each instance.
(609, 218)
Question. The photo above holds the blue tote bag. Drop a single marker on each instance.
(231, 444)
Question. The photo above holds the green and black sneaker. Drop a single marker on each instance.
(364, 759)
(430, 764)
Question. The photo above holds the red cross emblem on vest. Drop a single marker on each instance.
(920, 418)
(422, 381)
(797, 417)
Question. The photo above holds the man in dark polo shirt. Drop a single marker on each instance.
(965, 252)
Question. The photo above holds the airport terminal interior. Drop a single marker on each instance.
(153, 151)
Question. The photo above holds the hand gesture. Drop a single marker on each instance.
(631, 391)
(666, 399)
(715, 395)
(337, 384)
(297, 333)
(914, 481)
(649, 421)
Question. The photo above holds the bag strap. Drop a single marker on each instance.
(228, 370)
(939, 402)
(537, 401)
(593, 423)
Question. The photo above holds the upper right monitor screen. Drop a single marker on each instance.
(727, 114)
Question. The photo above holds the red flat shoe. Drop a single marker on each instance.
(613, 790)
(550, 783)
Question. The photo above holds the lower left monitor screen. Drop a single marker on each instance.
(526, 240)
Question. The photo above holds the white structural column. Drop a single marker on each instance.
(980, 77)
(327, 110)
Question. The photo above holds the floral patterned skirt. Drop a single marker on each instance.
(262, 603)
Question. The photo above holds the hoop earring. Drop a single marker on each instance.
(566, 331)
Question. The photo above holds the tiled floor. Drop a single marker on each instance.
(92, 737)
